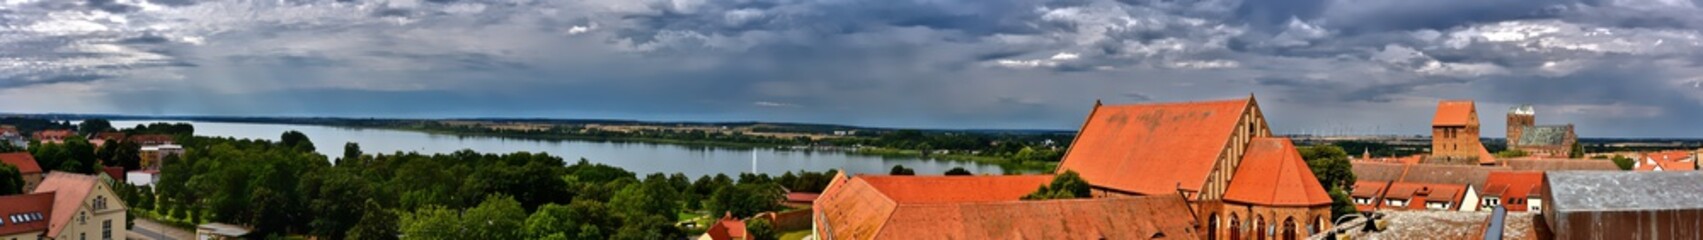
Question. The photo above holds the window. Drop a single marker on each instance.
(1396, 203)
(1362, 201)
(100, 203)
(106, 230)
(82, 217)
(1437, 205)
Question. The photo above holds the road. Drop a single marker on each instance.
(158, 231)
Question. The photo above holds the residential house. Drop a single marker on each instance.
(26, 164)
(9, 135)
(53, 136)
(1624, 205)
(1666, 161)
(65, 206)
(987, 207)
(1471, 178)
(1219, 155)
(1517, 191)
(154, 156)
(1423, 196)
(151, 139)
(102, 138)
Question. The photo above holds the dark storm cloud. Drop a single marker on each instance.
(913, 63)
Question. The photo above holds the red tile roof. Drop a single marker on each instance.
(116, 173)
(147, 139)
(1371, 190)
(1417, 194)
(802, 197)
(1153, 148)
(69, 191)
(109, 136)
(24, 204)
(1453, 113)
(1272, 173)
(956, 189)
(1668, 160)
(913, 207)
(23, 161)
(52, 134)
(727, 228)
(1509, 184)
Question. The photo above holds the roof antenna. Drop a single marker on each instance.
(1097, 102)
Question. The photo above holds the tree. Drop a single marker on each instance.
(1511, 153)
(745, 199)
(958, 171)
(1341, 204)
(11, 181)
(92, 126)
(498, 217)
(1330, 164)
(1065, 185)
(434, 223)
(296, 140)
(1624, 162)
(1576, 151)
(577, 220)
(376, 223)
(901, 170)
(351, 153)
(761, 229)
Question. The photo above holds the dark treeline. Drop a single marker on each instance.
(284, 189)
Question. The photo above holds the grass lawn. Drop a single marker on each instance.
(795, 235)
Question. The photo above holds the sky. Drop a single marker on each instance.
(1615, 68)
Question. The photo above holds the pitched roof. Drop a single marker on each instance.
(1377, 171)
(1513, 184)
(1153, 148)
(1369, 188)
(1668, 160)
(802, 197)
(937, 189)
(1272, 173)
(1453, 113)
(1420, 193)
(1145, 217)
(21, 213)
(1469, 175)
(1551, 135)
(110, 135)
(869, 207)
(69, 191)
(1530, 164)
(727, 228)
(116, 173)
(53, 134)
(1590, 191)
(23, 161)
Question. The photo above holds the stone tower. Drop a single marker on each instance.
(1518, 119)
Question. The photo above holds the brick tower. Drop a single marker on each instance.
(1518, 119)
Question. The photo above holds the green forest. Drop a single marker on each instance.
(285, 189)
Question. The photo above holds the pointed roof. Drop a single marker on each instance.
(69, 191)
(22, 160)
(727, 228)
(1453, 113)
(1153, 148)
(1272, 173)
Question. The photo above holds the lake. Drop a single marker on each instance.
(641, 158)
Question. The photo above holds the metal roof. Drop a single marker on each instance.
(1583, 191)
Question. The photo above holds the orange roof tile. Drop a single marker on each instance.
(1371, 190)
(1668, 161)
(116, 173)
(1146, 217)
(1272, 173)
(936, 189)
(1417, 194)
(1453, 113)
(69, 191)
(1153, 148)
(24, 204)
(52, 134)
(23, 161)
(727, 228)
(1511, 184)
(1484, 156)
(986, 207)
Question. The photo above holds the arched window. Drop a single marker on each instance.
(1259, 227)
(1212, 227)
(1235, 227)
(1318, 225)
(1288, 228)
(100, 202)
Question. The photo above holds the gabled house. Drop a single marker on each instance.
(53, 136)
(1516, 191)
(65, 206)
(26, 164)
(1666, 161)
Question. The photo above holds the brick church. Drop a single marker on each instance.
(1242, 182)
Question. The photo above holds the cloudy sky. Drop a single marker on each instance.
(1616, 68)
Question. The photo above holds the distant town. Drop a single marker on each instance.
(1210, 169)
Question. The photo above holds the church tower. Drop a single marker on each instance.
(1518, 119)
